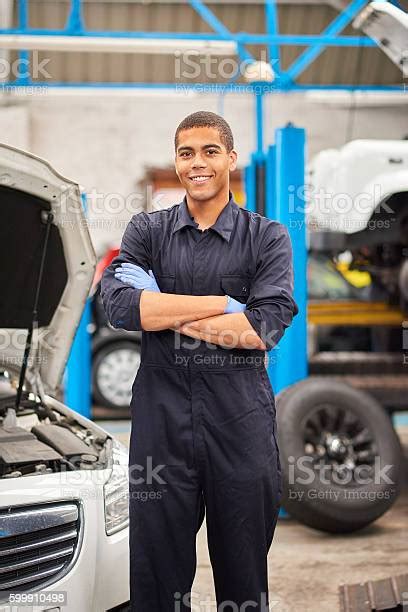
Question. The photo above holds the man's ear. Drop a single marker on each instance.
(233, 160)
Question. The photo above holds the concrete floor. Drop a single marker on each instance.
(306, 566)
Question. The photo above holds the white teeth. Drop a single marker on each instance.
(200, 179)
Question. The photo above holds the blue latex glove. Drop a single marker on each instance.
(136, 277)
(234, 306)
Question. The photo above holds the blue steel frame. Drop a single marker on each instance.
(284, 80)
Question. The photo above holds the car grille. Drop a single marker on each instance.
(38, 544)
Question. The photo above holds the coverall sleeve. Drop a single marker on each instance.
(270, 306)
(120, 300)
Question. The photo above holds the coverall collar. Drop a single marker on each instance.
(223, 225)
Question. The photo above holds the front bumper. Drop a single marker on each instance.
(99, 579)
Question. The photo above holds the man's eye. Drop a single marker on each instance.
(184, 154)
(211, 151)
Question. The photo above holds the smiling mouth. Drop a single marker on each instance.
(200, 179)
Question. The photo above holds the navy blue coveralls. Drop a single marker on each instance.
(203, 415)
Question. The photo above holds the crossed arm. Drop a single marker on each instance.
(199, 317)
(269, 309)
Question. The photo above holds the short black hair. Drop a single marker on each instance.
(207, 119)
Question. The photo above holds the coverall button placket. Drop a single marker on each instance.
(197, 398)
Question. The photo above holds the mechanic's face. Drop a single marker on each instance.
(203, 163)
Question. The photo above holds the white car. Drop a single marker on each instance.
(388, 26)
(63, 480)
(351, 186)
(358, 202)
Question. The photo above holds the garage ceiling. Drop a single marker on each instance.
(336, 65)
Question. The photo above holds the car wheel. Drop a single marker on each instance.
(113, 372)
(341, 457)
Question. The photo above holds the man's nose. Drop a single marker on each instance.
(199, 161)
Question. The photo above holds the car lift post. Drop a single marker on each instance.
(285, 202)
(274, 183)
(282, 194)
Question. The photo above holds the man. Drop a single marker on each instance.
(210, 284)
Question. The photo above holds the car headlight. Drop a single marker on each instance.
(116, 491)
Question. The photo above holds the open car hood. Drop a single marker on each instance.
(30, 189)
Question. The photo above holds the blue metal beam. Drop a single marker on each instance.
(208, 16)
(259, 119)
(305, 39)
(210, 19)
(215, 88)
(75, 23)
(272, 27)
(23, 54)
(23, 13)
(336, 26)
(250, 183)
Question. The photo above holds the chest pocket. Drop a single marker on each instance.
(236, 286)
(166, 283)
